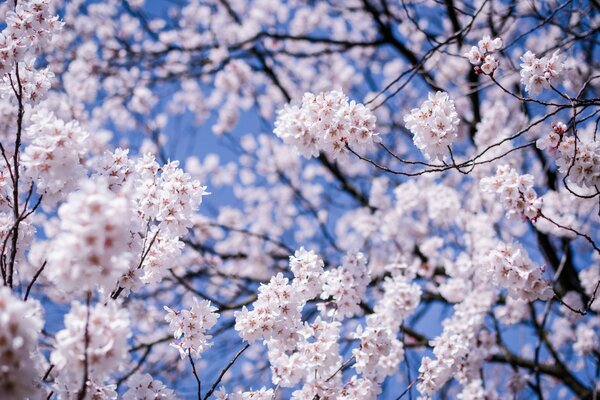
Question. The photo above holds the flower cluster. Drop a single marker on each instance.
(379, 353)
(434, 125)
(586, 339)
(400, 299)
(538, 74)
(275, 316)
(512, 269)
(307, 268)
(144, 387)
(29, 26)
(516, 192)
(168, 195)
(346, 285)
(315, 358)
(34, 84)
(20, 326)
(481, 56)
(358, 388)
(326, 122)
(589, 278)
(91, 248)
(553, 138)
(164, 199)
(579, 157)
(456, 347)
(261, 394)
(191, 326)
(95, 335)
(160, 254)
(52, 158)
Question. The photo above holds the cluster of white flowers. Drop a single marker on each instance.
(163, 194)
(34, 84)
(456, 347)
(512, 311)
(315, 358)
(589, 278)
(261, 394)
(516, 192)
(379, 353)
(276, 314)
(97, 335)
(168, 195)
(579, 157)
(165, 198)
(474, 390)
(307, 268)
(400, 299)
(512, 269)
(358, 388)
(434, 125)
(191, 326)
(144, 387)
(52, 157)
(326, 122)
(29, 27)
(586, 338)
(346, 285)
(163, 251)
(20, 326)
(538, 74)
(552, 139)
(116, 168)
(482, 56)
(91, 247)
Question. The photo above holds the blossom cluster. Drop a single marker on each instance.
(579, 157)
(53, 155)
(380, 352)
(163, 199)
(326, 122)
(314, 359)
(33, 83)
(511, 268)
(276, 312)
(538, 74)
(482, 55)
(261, 394)
(96, 335)
(516, 192)
(29, 26)
(434, 125)
(589, 278)
(346, 285)
(91, 247)
(456, 349)
(275, 315)
(20, 327)
(144, 387)
(191, 326)
(164, 194)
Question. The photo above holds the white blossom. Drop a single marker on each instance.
(434, 125)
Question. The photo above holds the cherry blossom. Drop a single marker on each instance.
(191, 326)
(538, 74)
(434, 125)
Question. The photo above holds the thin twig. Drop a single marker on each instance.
(224, 371)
